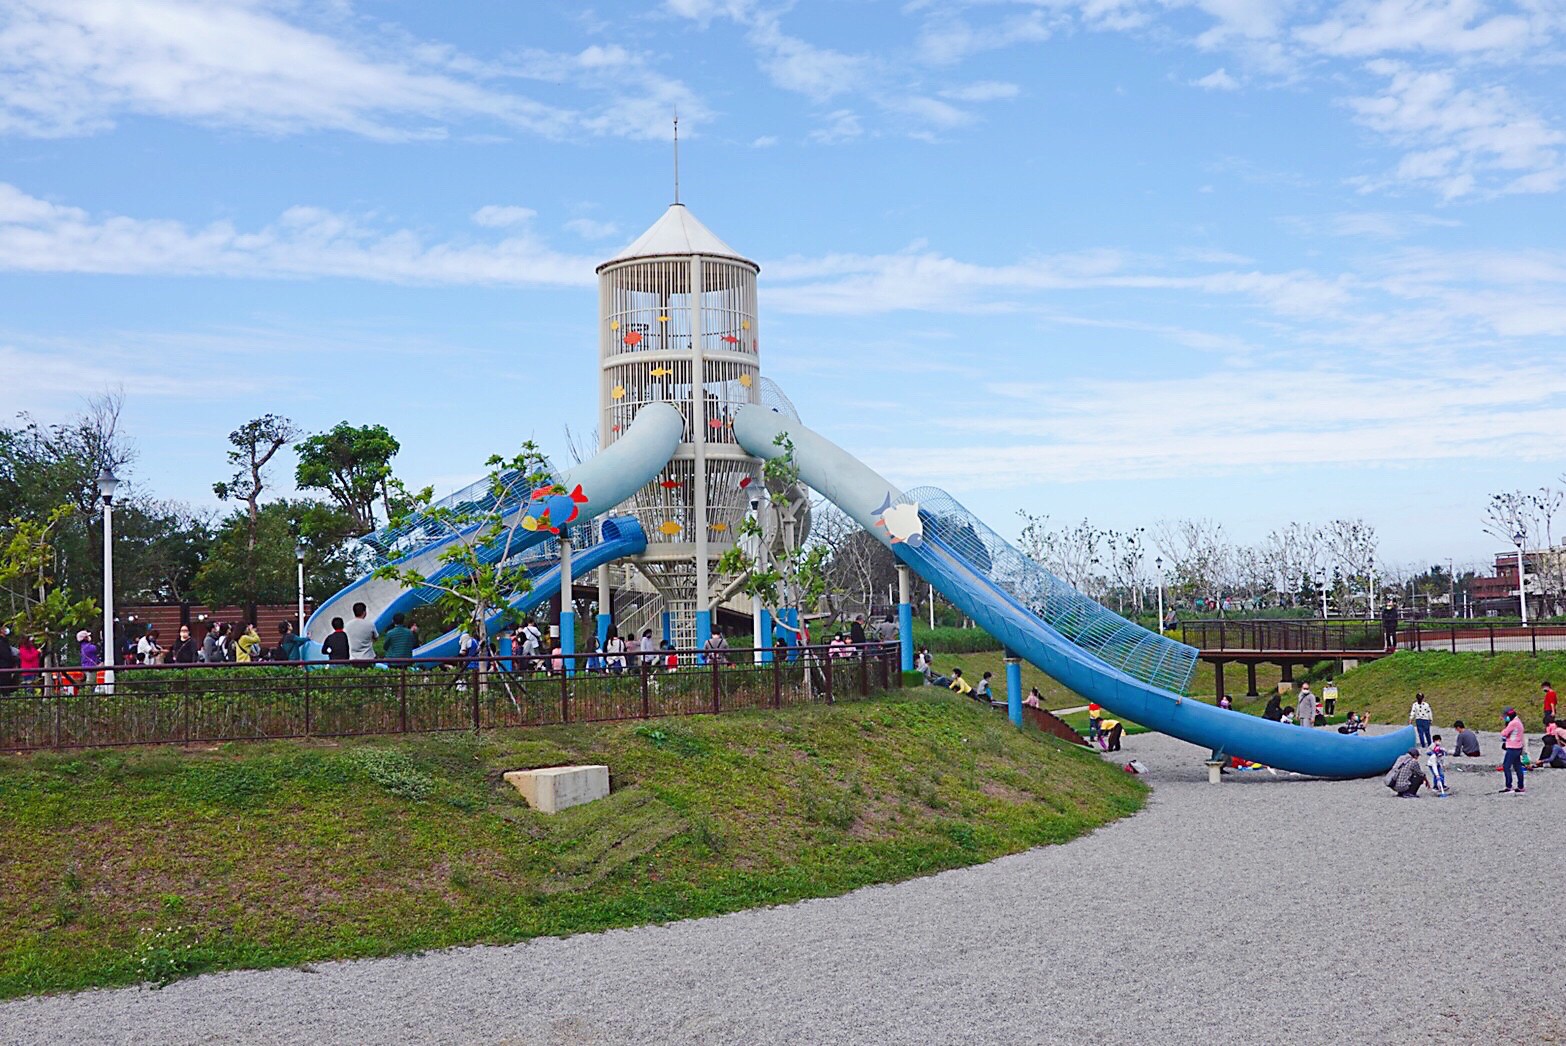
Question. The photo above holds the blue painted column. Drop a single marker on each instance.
(567, 606)
(766, 635)
(703, 633)
(666, 620)
(905, 616)
(605, 605)
(1014, 687)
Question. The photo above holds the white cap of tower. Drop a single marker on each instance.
(678, 233)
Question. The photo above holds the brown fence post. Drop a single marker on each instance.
(826, 668)
(886, 670)
(402, 699)
(777, 681)
(1533, 639)
(864, 677)
(59, 710)
(565, 693)
(185, 687)
(646, 688)
(1492, 640)
(717, 688)
(306, 670)
(1454, 639)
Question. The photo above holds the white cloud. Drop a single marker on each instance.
(1461, 140)
(1293, 414)
(77, 66)
(589, 229)
(982, 91)
(842, 125)
(36, 236)
(1372, 27)
(1378, 225)
(495, 216)
(1217, 80)
(765, 141)
(947, 40)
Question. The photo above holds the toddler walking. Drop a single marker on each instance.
(1437, 764)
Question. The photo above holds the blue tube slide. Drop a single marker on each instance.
(622, 536)
(608, 479)
(942, 561)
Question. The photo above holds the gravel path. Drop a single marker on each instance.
(1265, 910)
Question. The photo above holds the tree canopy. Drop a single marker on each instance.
(353, 466)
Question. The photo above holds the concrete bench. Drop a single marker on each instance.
(550, 789)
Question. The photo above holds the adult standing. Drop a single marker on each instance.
(89, 649)
(211, 648)
(186, 651)
(856, 630)
(289, 642)
(1389, 625)
(1307, 706)
(1513, 742)
(8, 675)
(399, 639)
(148, 648)
(248, 647)
(361, 635)
(1421, 716)
(30, 660)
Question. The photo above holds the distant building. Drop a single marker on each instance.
(1496, 595)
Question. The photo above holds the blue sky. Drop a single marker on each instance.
(1260, 261)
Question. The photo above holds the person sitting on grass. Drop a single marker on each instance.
(959, 685)
(1466, 743)
(985, 690)
(1034, 698)
(1406, 775)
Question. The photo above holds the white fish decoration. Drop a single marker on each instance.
(901, 522)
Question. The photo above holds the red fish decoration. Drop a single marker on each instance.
(670, 484)
(745, 482)
(633, 338)
(715, 423)
(731, 339)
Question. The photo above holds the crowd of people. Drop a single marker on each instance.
(1408, 775)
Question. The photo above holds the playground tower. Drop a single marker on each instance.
(677, 324)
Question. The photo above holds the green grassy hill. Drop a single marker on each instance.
(1469, 686)
(135, 865)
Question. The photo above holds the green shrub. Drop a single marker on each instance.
(945, 640)
(394, 772)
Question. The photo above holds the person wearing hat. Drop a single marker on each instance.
(1095, 721)
(89, 649)
(1513, 742)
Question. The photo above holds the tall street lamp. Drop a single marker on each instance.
(299, 553)
(107, 483)
(1159, 566)
(1321, 586)
(1519, 539)
(1371, 609)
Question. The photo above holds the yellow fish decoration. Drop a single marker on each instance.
(720, 526)
(663, 319)
(618, 392)
(660, 372)
(614, 325)
(745, 325)
(744, 379)
(670, 527)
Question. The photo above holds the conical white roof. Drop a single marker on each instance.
(680, 234)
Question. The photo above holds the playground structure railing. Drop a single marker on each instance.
(212, 703)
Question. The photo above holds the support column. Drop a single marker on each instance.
(1250, 680)
(699, 447)
(765, 617)
(666, 623)
(1218, 677)
(1014, 687)
(905, 641)
(567, 606)
(605, 604)
(703, 633)
(1288, 671)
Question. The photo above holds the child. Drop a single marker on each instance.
(983, 691)
(1288, 714)
(1095, 717)
(1437, 763)
(1224, 702)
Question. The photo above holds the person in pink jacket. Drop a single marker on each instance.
(1513, 742)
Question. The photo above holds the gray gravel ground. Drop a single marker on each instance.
(1266, 910)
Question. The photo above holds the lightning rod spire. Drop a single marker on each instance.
(676, 157)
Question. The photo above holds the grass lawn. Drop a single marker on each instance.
(1473, 687)
(1203, 682)
(150, 864)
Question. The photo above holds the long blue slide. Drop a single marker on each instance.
(619, 537)
(1133, 672)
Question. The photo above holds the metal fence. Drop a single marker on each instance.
(1486, 639)
(191, 704)
(1283, 634)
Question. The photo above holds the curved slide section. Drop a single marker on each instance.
(608, 479)
(621, 536)
(960, 566)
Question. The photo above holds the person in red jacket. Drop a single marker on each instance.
(1549, 702)
(1513, 742)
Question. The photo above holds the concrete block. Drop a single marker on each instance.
(550, 789)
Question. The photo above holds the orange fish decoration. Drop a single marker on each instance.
(670, 527)
(714, 423)
(731, 339)
(632, 338)
(614, 428)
